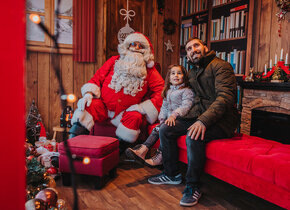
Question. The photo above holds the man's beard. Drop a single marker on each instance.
(195, 57)
(129, 73)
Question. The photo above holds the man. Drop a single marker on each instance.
(212, 116)
(124, 89)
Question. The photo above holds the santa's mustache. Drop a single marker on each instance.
(132, 64)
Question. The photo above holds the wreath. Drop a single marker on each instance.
(169, 26)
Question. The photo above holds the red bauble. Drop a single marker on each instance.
(49, 196)
(52, 170)
(30, 157)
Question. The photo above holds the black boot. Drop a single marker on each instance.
(77, 129)
(123, 145)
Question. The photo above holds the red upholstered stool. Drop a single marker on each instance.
(102, 151)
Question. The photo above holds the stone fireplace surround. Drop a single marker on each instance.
(271, 98)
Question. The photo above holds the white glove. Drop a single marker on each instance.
(86, 100)
(136, 107)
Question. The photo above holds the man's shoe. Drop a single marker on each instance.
(190, 196)
(164, 179)
(155, 161)
(77, 129)
(137, 153)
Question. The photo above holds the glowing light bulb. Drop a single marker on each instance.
(35, 18)
(71, 98)
(86, 160)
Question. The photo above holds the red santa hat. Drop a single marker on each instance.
(144, 40)
(42, 130)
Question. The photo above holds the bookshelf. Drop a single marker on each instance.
(226, 27)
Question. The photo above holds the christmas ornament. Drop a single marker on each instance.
(61, 204)
(52, 171)
(169, 46)
(35, 204)
(126, 30)
(49, 196)
(284, 6)
(169, 26)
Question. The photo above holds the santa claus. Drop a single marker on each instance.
(123, 89)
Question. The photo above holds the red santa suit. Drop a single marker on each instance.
(125, 109)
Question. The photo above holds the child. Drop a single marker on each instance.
(177, 100)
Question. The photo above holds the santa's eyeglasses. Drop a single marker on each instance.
(136, 45)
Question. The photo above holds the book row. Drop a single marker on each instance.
(229, 27)
(192, 6)
(188, 30)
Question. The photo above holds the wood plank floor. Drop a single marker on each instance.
(130, 190)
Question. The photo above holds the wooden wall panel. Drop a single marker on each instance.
(264, 34)
(67, 74)
(55, 108)
(31, 79)
(43, 102)
(266, 40)
(78, 79)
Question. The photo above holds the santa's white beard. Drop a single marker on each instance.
(129, 73)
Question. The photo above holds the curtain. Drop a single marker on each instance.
(84, 30)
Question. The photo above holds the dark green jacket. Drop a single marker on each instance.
(215, 88)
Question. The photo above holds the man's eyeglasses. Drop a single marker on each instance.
(136, 45)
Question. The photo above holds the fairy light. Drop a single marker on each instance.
(86, 160)
(71, 98)
(35, 18)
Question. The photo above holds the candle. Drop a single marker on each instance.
(281, 56)
(275, 59)
(286, 59)
(270, 64)
(265, 72)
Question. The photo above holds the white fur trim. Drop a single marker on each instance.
(90, 87)
(137, 37)
(151, 112)
(127, 134)
(85, 119)
(111, 114)
(117, 120)
(150, 64)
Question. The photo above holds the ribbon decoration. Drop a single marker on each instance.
(127, 13)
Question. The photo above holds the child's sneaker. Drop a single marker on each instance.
(137, 153)
(155, 161)
(190, 196)
(164, 179)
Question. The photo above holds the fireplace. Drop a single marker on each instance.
(270, 125)
(266, 111)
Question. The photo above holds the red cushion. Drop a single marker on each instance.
(91, 146)
(263, 158)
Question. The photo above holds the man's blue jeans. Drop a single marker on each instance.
(195, 149)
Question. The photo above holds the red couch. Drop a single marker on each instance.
(256, 165)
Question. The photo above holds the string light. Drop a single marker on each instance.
(70, 98)
(35, 18)
(86, 160)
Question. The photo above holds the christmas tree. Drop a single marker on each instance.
(32, 124)
(36, 177)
